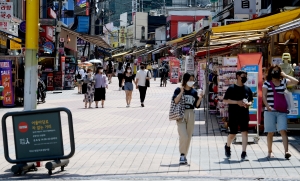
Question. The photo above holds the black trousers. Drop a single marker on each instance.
(120, 77)
(163, 75)
(143, 90)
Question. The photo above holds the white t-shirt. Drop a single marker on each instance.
(141, 75)
(82, 73)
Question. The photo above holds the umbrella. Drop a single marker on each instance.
(87, 64)
(95, 61)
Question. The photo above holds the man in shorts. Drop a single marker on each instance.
(239, 98)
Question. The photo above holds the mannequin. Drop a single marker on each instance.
(286, 66)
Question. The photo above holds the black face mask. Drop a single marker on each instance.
(142, 67)
(276, 74)
(244, 80)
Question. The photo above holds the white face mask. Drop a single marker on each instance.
(190, 83)
(101, 70)
(128, 71)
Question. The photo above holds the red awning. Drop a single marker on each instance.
(214, 50)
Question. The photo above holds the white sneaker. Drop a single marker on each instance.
(120, 88)
(127, 106)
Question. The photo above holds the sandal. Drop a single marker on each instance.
(270, 155)
(287, 155)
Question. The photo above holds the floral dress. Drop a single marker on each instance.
(89, 95)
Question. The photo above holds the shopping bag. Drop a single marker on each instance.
(289, 99)
(177, 110)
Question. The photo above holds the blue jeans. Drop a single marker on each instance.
(155, 73)
(272, 118)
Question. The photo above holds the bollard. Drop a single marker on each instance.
(56, 163)
(23, 167)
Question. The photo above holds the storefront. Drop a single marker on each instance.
(250, 38)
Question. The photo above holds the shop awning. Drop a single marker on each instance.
(157, 50)
(121, 54)
(286, 27)
(141, 51)
(260, 23)
(187, 37)
(216, 49)
(94, 39)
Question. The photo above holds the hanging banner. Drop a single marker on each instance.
(6, 82)
(189, 64)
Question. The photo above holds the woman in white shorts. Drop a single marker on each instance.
(275, 120)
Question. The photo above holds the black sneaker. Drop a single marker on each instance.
(227, 151)
(244, 156)
(182, 159)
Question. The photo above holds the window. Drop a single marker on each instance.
(143, 33)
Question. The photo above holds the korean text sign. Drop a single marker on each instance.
(6, 82)
(6, 10)
(38, 135)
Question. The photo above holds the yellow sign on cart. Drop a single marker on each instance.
(14, 45)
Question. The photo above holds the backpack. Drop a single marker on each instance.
(78, 76)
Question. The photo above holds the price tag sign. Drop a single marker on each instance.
(6, 10)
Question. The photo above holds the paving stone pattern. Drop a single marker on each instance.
(119, 143)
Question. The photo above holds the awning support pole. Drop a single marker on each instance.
(207, 81)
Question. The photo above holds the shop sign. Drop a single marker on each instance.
(9, 27)
(23, 26)
(48, 47)
(14, 45)
(230, 61)
(51, 13)
(245, 7)
(48, 32)
(6, 82)
(83, 24)
(122, 35)
(6, 10)
(47, 22)
(3, 41)
(214, 24)
(80, 41)
(81, 3)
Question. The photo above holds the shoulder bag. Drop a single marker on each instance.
(147, 81)
(177, 110)
(280, 103)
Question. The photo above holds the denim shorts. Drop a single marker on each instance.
(128, 86)
(273, 119)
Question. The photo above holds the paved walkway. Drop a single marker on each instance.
(119, 143)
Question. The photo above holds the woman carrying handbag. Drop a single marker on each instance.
(275, 115)
(185, 98)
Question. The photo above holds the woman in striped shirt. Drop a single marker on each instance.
(273, 117)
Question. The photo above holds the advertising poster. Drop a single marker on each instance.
(189, 64)
(6, 82)
(294, 113)
(252, 63)
(174, 64)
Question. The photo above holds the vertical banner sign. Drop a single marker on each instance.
(6, 82)
(189, 64)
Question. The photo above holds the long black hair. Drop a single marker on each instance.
(186, 77)
(120, 66)
(270, 72)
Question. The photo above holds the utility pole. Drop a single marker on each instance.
(92, 31)
(57, 35)
(31, 56)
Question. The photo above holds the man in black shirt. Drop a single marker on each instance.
(239, 98)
